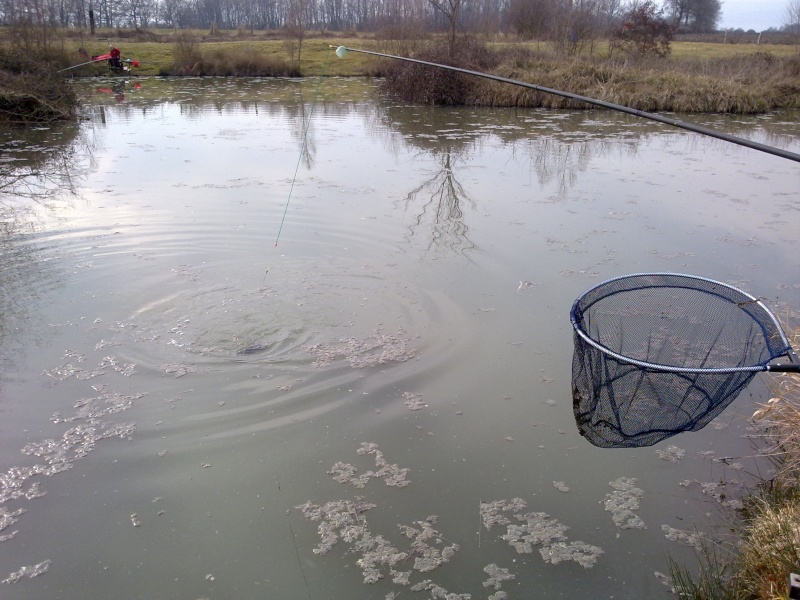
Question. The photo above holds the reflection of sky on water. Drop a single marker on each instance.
(252, 371)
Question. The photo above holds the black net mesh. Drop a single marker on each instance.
(647, 369)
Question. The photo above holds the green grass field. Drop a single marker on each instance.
(157, 57)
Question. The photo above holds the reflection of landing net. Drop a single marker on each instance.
(661, 353)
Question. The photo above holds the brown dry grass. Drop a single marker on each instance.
(771, 548)
(758, 565)
(749, 84)
(778, 423)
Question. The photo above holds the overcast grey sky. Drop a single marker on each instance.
(753, 14)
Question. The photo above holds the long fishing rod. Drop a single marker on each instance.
(127, 61)
(341, 51)
(82, 64)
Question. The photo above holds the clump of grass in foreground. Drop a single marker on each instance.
(758, 565)
(779, 424)
(772, 548)
(715, 579)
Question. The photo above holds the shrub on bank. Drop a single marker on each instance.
(426, 85)
(31, 88)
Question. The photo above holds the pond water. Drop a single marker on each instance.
(212, 371)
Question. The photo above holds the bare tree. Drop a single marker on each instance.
(678, 11)
(295, 29)
(451, 9)
(168, 12)
(706, 15)
(697, 16)
(137, 12)
(529, 18)
(792, 22)
(575, 25)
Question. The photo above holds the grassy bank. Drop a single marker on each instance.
(733, 84)
(162, 57)
(698, 77)
(756, 563)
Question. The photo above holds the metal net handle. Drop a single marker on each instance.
(792, 367)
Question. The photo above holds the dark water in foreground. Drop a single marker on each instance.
(175, 387)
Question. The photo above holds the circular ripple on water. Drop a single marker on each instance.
(257, 341)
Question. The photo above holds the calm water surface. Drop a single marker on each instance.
(175, 386)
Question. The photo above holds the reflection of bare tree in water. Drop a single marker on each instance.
(37, 172)
(554, 160)
(301, 132)
(441, 209)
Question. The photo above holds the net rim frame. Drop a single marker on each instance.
(666, 368)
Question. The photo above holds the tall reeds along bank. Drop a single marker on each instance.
(757, 564)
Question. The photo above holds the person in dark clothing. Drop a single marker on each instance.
(115, 61)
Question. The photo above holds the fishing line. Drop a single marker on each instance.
(303, 146)
(341, 51)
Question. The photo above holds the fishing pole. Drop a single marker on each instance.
(94, 60)
(127, 61)
(341, 51)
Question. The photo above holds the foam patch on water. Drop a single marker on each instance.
(536, 529)
(622, 502)
(7, 519)
(58, 454)
(725, 493)
(414, 401)
(427, 549)
(30, 572)
(178, 369)
(671, 454)
(378, 349)
(392, 474)
(70, 369)
(685, 538)
(497, 575)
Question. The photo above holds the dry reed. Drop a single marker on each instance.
(738, 85)
(769, 547)
(778, 423)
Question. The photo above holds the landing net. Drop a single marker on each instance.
(657, 354)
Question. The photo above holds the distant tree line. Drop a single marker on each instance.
(573, 21)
